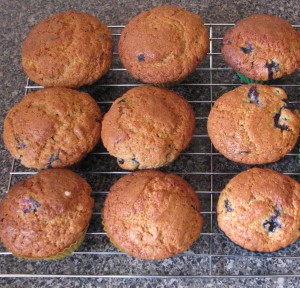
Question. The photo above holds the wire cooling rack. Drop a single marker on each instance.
(202, 166)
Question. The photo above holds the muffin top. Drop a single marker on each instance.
(45, 214)
(253, 124)
(262, 47)
(259, 209)
(69, 49)
(152, 215)
(163, 45)
(52, 127)
(147, 127)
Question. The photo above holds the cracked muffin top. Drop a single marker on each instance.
(152, 215)
(147, 127)
(262, 47)
(259, 209)
(52, 127)
(163, 45)
(44, 215)
(69, 49)
(253, 124)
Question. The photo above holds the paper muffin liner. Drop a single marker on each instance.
(110, 239)
(248, 80)
(255, 253)
(66, 252)
(118, 247)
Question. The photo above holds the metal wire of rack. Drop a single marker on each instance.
(200, 164)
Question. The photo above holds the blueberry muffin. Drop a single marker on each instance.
(262, 48)
(69, 49)
(259, 209)
(152, 215)
(163, 45)
(52, 127)
(46, 215)
(253, 124)
(147, 127)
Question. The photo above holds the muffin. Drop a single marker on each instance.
(152, 215)
(46, 215)
(253, 124)
(52, 127)
(69, 49)
(259, 209)
(163, 45)
(262, 48)
(147, 127)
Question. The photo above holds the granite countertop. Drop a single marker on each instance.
(17, 17)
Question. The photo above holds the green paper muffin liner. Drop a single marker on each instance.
(66, 252)
(248, 80)
(112, 242)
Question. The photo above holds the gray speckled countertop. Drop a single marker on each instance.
(17, 17)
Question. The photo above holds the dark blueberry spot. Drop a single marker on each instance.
(277, 211)
(277, 117)
(120, 161)
(20, 143)
(121, 101)
(272, 67)
(253, 94)
(248, 49)
(135, 160)
(53, 158)
(273, 222)
(228, 206)
(30, 205)
(141, 57)
(271, 225)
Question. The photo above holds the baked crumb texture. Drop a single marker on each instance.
(253, 124)
(52, 127)
(259, 209)
(163, 45)
(69, 49)
(38, 220)
(152, 215)
(262, 47)
(147, 127)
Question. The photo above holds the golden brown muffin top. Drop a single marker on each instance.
(152, 215)
(45, 214)
(52, 127)
(68, 49)
(262, 47)
(164, 44)
(259, 209)
(253, 124)
(147, 127)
